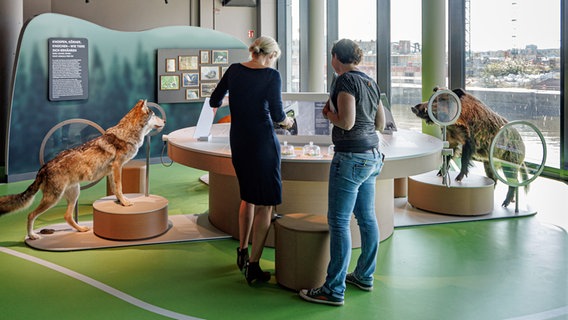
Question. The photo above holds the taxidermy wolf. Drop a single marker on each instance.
(91, 161)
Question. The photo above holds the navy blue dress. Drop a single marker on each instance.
(255, 102)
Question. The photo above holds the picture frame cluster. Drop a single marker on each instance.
(197, 74)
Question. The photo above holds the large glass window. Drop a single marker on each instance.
(513, 63)
(359, 23)
(406, 61)
(511, 53)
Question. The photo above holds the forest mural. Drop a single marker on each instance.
(122, 70)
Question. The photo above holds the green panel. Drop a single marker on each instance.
(122, 70)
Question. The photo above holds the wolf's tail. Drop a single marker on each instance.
(14, 202)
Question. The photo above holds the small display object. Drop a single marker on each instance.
(287, 150)
(311, 150)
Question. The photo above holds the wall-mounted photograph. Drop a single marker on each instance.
(190, 79)
(188, 62)
(209, 73)
(220, 56)
(207, 89)
(223, 69)
(171, 65)
(169, 82)
(204, 56)
(192, 94)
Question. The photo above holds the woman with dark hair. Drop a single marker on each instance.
(255, 102)
(355, 110)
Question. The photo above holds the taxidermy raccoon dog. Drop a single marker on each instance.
(91, 161)
(471, 136)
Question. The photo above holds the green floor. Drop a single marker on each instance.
(499, 269)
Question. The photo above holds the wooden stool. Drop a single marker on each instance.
(301, 250)
(133, 178)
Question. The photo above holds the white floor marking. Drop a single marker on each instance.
(99, 285)
(549, 314)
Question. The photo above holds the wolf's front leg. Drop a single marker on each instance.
(116, 185)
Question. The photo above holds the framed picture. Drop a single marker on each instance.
(207, 89)
(209, 73)
(169, 82)
(170, 65)
(223, 69)
(190, 79)
(204, 56)
(220, 56)
(192, 94)
(188, 62)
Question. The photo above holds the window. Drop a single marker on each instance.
(513, 63)
(406, 62)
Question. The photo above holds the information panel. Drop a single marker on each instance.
(68, 69)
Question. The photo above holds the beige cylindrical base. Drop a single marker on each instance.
(298, 196)
(301, 251)
(400, 187)
(147, 218)
(472, 196)
(133, 178)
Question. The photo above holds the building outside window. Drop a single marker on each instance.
(513, 63)
(512, 57)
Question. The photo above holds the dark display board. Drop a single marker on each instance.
(189, 75)
(68, 69)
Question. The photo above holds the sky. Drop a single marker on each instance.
(491, 24)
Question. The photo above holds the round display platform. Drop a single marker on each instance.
(470, 197)
(147, 218)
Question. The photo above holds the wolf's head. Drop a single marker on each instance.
(142, 118)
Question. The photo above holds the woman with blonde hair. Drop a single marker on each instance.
(255, 103)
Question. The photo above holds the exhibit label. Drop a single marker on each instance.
(68, 69)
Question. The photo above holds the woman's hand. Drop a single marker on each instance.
(287, 123)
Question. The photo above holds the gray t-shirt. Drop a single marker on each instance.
(362, 136)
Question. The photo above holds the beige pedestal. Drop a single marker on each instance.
(147, 218)
(298, 196)
(400, 187)
(472, 196)
(301, 251)
(133, 178)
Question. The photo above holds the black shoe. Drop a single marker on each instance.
(318, 295)
(253, 272)
(352, 279)
(242, 257)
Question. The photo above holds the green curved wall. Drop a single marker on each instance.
(122, 70)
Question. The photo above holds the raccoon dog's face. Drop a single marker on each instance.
(421, 111)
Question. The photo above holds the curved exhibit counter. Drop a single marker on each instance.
(304, 178)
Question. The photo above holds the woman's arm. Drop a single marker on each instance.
(380, 118)
(344, 118)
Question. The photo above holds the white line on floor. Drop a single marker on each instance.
(99, 285)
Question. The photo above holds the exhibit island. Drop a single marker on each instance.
(304, 177)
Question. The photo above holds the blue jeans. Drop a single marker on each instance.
(352, 179)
